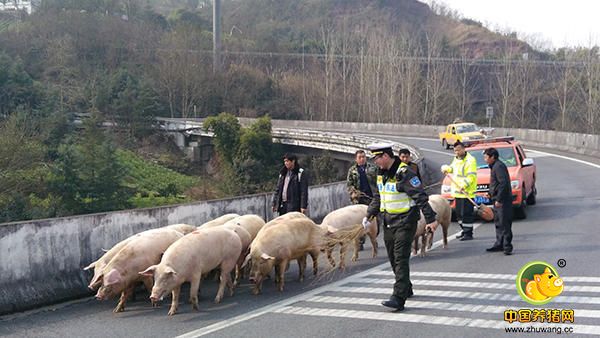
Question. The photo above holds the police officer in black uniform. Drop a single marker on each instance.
(397, 198)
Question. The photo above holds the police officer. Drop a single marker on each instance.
(360, 177)
(500, 193)
(464, 170)
(397, 198)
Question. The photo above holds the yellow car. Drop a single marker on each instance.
(460, 132)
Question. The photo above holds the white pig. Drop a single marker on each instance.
(443, 215)
(277, 245)
(347, 218)
(218, 221)
(101, 262)
(187, 259)
(121, 273)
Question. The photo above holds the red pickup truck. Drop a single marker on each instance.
(521, 169)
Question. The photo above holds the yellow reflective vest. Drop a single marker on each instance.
(392, 200)
(464, 171)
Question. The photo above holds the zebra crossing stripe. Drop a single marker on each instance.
(567, 279)
(462, 307)
(474, 285)
(425, 319)
(472, 295)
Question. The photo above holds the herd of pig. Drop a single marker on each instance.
(231, 245)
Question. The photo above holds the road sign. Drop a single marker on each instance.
(489, 112)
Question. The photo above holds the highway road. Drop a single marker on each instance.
(460, 291)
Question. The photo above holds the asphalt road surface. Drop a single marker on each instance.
(460, 291)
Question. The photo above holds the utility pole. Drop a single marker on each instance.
(216, 36)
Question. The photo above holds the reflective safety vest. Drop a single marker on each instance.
(392, 200)
(464, 170)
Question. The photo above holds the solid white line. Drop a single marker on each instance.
(424, 319)
(567, 158)
(512, 297)
(569, 279)
(437, 151)
(301, 297)
(475, 285)
(462, 307)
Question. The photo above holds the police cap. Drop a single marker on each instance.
(381, 148)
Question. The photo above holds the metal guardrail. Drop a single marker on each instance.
(326, 140)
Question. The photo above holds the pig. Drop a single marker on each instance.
(544, 286)
(183, 228)
(99, 264)
(140, 252)
(347, 218)
(252, 223)
(187, 259)
(277, 245)
(246, 239)
(218, 221)
(444, 213)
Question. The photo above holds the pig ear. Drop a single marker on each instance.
(246, 260)
(92, 265)
(149, 271)
(547, 270)
(537, 278)
(112, 277)
(266, 257)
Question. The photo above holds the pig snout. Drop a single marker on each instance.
(558, 282)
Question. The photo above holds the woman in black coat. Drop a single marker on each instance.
(292, 187)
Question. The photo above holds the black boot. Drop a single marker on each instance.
(459, 236)
(467, 236)
(395, 303)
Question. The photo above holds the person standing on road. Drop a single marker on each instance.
(361, 176)
(291, 193)
(501, 195)
(406, 157)
(397, 198)
(464, 170)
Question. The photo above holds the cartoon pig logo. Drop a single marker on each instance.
(537, 287)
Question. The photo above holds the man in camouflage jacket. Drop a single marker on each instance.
(361, 179)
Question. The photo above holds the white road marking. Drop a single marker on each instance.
(571, 279)
(566, 158)
(425, 319)
(513, 297)
(475, 285)
(462, 307)
(301, 297)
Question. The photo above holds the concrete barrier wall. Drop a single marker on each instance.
(586, 144)
(41, 261)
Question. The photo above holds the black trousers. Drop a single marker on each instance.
(398, 242)
(464, 211)
(503, 221)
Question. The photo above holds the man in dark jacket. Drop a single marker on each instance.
(292, 187)
(500, 194)
(397, 197)
(406, 157)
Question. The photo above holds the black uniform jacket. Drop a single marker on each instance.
(413, 188)
(297, 192)
(500, 190)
